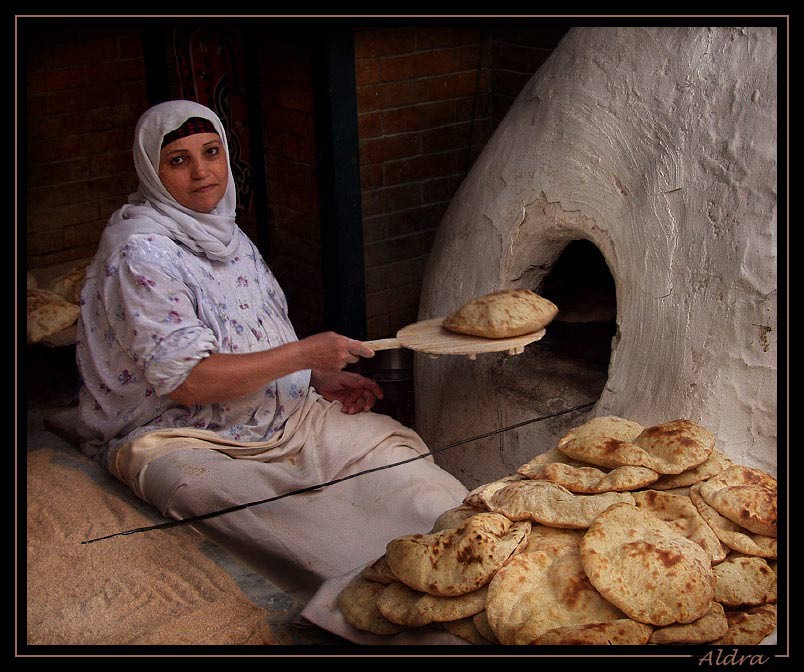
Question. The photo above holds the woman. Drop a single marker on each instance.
(199, 396)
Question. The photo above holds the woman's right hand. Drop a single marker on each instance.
(329, 351)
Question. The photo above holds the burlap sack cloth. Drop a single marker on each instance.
(300, 541)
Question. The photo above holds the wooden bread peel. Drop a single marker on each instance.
(429, 336)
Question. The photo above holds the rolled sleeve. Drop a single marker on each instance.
(153, 317)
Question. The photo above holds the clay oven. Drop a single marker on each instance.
(648, 154)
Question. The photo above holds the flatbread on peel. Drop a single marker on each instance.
(748, 626)
(48, 314)
(623, 631)
(504, 314)
(456, 561)
(744, 580)
(645, 568)
(412, 608)
(681, 514)
(358, 604)
(712, 625)
(552, 505)
(731, 534)
(536, 592)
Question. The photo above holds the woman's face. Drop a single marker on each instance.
(194, 170)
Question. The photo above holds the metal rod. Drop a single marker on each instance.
(239, 507)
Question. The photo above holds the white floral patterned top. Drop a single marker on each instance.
(150, 314)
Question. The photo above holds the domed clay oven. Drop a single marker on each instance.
(654, 149)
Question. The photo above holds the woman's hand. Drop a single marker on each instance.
(331, 352)
(354, 391)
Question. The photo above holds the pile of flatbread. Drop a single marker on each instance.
(55, 308)
(621, 534)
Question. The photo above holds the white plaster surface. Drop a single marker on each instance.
(659, 146)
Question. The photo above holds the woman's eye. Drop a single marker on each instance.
(177, 161)
(213, 151)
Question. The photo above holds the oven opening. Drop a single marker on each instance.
(582, 287)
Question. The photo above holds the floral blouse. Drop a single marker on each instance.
(150, 314)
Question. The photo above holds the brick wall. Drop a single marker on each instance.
(429, 98)
(423, 113)
(294, 248)
(85, 90)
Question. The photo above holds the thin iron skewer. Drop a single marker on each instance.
(239, 507)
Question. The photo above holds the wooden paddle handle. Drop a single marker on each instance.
(383, 344)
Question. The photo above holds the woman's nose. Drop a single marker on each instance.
(198, 170)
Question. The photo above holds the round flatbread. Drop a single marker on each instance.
(69, 285)
(744, 580)
(411, 608)
(504, 314)
(552, 540)
(745, 496)
(481, 622)
(536, 592)
(552, 505)
(457, 561)
(623, 631)
(714, 464)
(379, 572)
(479, 497)
(730, 533)
(680, 513)
(748, 626)
(591, 480)
(712, 625)
(455, 517)
(465, 628)
(645, 568)
(48, 314)
(358, 604)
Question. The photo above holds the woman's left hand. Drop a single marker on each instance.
(354, 391)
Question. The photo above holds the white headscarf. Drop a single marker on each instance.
(151, 209)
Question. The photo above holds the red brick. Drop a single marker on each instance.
(423, 167)
(375, 229)
(402, 318)
(87, 233)
(445, 36)
(391, 199)
(367, 71)
(117, 71)
(396, 249)
(443, 189)
(419, 117)
(293, 95)
(371, 177)
(428, 63)
(524, 59)
(384, 42)
(370, 98)
(393, 300)
(509, 83)
(389, 148)
(446, 137)
(397, 274)
(45, 81)
(40, 243)
(369, 125)
(459, 85)
(411, 221)
(64, 215)
(546, 35)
